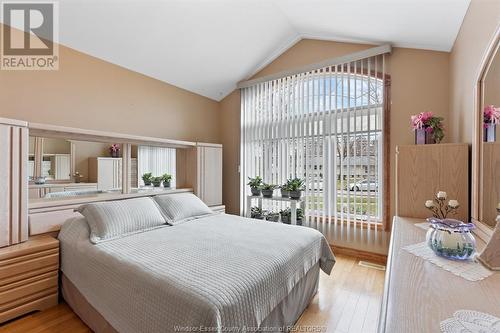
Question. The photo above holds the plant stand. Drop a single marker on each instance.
(293, 205)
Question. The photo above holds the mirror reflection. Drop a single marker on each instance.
(61, 168)
(490, 164)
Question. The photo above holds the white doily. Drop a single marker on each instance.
(423, 225)
(468, 269)
(469, 321)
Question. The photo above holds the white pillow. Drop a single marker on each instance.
(114, 219)
(181, 207)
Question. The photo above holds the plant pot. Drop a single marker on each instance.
(422, 137)
(490, 132)
(115, 154)
(147, 182)
(285, 193)
(285, 219)
(267, 193)
(166, 183)
(257, 216)
(299, 222)
(273, 218)
(255, 191)
(156, 184)
(295, 194)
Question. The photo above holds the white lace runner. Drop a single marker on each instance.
(469, 321)
(468, 269)
(423, 225)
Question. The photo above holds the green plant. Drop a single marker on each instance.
(255, 182)
(166, 177)
(300, 214)
(296, 184)
(147, 177)
(268, 187)
(156, 180)
(272, 216)
(256, 212)
(287, 213)
(437, 128)
(286, 186)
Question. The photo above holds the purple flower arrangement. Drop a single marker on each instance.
(491, 116)
(114, 150)
(432, 125)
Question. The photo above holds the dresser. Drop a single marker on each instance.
(418, 295)
(423, 170)
(28, 276)
(107, 172)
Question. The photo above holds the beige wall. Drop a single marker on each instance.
(476, 33)
(419, 83)
(93, 94)
(492, 83)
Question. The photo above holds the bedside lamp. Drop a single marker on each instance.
(490, 257)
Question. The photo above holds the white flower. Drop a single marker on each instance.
(441, 195)
(429, 204)
(453, 204)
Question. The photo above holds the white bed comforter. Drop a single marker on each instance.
(215, 273)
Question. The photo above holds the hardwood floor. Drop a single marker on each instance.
(348, 301)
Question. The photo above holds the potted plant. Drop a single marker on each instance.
(490, 121)
(156, 181)
(256, 213)
(166, 179)
(296, 186)
(255, 184)
(285, 189)
(286, 215)
(267, 190)
(428, 128)
(300, 216)
(273, 216)
(146, 178)
(114, 150)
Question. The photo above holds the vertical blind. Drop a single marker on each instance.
(157, 160)
(325, 126)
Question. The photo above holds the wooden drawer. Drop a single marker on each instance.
(18, 292)
(22, 266)
(28, 276)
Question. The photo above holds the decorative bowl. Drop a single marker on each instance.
(40, 180)
(451, 238)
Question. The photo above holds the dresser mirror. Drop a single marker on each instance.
(61, 168)
(486, 148)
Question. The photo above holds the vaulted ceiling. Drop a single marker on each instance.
(207, 46)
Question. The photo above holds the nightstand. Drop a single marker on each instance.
(28, 276)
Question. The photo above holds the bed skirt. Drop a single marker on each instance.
(281, 319)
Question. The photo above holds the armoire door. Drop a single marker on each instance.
(109, 174)
(211, 178)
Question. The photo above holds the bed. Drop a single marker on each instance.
(214, 272)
